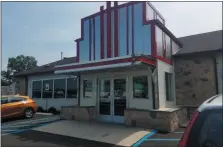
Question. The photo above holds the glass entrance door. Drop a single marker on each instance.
(112, 99)
(119, 99)
(105, 102)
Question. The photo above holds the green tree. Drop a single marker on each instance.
(16, 65)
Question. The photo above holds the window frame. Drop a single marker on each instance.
(52, 88)
(65, 88)
(148, 88)
(171, 92)
(76, 88)
(41, 90)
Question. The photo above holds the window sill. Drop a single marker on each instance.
(87, 97)
(141, 98)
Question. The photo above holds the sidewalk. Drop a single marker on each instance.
(101, 132)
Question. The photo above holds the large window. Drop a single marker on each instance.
(47, 88)
(72, 88)
(59, 88)
(149, 12)
(140, 87)
(159, 41)
(168, 47)
(36, 89)
(169, 86)
(175, 47)
(87, 88)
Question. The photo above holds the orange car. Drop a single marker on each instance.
(17, 106)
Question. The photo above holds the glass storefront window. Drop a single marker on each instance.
(105, 88)
(87, 89)
(120, 88)
(140, 87)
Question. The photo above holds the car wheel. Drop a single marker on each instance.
(29, 113)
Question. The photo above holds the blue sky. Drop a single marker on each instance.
(44, 29)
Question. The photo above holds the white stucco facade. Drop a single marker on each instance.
(46, 103)
(127, 74)
(163, 67)
(131, 102)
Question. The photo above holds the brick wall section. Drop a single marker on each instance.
(195, 79)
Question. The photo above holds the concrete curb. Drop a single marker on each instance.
(40, 113)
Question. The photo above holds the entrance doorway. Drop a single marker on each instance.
(112, 99)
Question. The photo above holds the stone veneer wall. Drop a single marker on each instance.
(77, 113)
(190, 111)
(162, 121)
(195, 79)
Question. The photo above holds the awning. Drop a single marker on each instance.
(103, 64)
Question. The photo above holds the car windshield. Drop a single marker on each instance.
(4, 99)
(211, 132)
(207, 130)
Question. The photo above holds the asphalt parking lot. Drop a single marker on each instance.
(162, 140)
(20, 133)
(20, 125)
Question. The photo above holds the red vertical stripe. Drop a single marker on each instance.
(127, 30)
(90, 39)
(102, 31)
(153, 39)
(164, 44)
(132, 29)
(108, 29)
(144, 12)
(78, 51)
(116, 29)
(94, 37)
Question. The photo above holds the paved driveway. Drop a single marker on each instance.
(20, 125)
(20, 133)
(36, 138)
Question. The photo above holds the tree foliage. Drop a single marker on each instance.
(16, 65)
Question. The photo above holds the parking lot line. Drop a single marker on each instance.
(163, 139)
(16, 125)
(33, 120)
(179, 132)
(139, 142)
(29, 128)
(7, 130)
(22, 130)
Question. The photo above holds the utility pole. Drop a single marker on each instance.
(61, 55)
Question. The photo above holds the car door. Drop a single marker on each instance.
(14, 106)
(4, 102)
